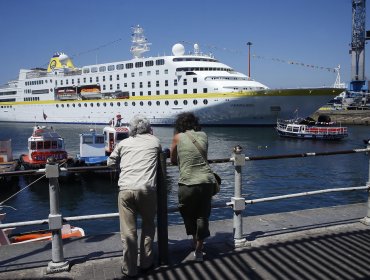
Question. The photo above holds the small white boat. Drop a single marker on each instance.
(92, 149)
(310, 129)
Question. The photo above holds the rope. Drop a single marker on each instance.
(38, 179)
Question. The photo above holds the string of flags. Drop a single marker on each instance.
(330, 69)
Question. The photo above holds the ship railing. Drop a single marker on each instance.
(237, 202)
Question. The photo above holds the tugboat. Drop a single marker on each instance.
(44, 142)
(308, 128)
(113, 134)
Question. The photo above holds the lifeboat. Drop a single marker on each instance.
(68, 231)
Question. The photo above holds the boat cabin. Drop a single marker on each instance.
(44, 143)
(113, 135)
(92, 150)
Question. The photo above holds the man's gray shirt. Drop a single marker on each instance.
(138, 157)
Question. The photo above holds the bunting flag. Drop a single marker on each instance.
(44, 115)
(330, 69)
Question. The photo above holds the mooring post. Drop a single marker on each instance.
(238, 201)
(162, 219)
(57, 264)
(366, 220)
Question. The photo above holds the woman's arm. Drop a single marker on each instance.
(175, 140)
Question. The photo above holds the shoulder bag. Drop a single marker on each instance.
(216, 188)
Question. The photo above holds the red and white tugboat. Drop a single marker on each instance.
(43, 143)
(113, 134)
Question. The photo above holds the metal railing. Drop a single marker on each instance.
(238, 203)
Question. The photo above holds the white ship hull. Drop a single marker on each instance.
(220, 109)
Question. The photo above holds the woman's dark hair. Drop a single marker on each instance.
(186, 121)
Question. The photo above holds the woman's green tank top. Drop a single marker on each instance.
(193, 168)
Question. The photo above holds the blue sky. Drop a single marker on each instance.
(312, 32)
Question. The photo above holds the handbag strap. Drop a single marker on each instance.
(196, 144)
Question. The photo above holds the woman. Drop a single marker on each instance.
(196, 180)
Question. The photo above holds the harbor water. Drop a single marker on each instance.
(87, 195)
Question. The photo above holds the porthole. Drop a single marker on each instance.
(166, 102)
(85, 104)
(195, 102)
(176, 102)
(111, 104)
(205, 101)
(73, 105)
(141, 103)
(68, 105)
(55, 105)
(158, 103)
(62, 105)
(150, 103)
(118, 104)
(79, 104)
(91, 104)
(185, 102)
(98, 104)
(133, 103)
(105, 104)
(126, 103)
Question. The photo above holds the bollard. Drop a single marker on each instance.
(237, 201)
(57, 264)
(366, 220)
(162, 219)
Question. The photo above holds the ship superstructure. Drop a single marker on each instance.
(158, 87)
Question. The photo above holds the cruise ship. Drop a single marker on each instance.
(158, 87)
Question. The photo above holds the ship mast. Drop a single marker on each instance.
(140, 44)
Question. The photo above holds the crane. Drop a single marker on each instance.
(358, 45)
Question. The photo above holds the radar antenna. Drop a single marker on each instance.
(140, 44)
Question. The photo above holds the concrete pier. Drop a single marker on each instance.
(323, 243)
(345, 117)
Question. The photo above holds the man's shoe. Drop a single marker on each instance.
(125, 276)
(146, 270)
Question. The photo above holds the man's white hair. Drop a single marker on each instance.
(139, 125)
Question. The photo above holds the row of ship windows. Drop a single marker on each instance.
(121, 66)
(97, 80)
(132, 103)
(125, 75)
(139, 64)
(118, 87)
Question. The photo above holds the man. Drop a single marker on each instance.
(137, 157)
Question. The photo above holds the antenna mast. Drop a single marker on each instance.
(140, 44)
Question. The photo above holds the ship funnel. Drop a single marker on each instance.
(60, 60)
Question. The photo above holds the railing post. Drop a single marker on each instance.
(57, 264)
(366, 220)
(237, 201)
(162, 219)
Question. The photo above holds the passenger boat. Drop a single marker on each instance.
(44, 142)
(158, 87)
(310, 129)
(92, 149)
(114, 133)
(7, 163)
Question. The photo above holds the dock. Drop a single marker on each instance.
(321, 243)
(345, 117)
